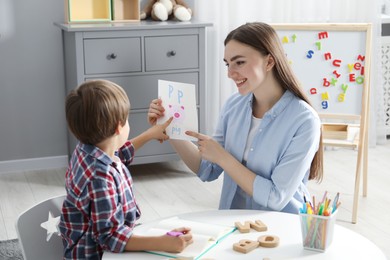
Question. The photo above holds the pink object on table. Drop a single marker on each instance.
(175, 233)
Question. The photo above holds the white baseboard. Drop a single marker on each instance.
(33, 164)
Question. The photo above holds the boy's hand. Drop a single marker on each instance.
(179, 239)
(158, 131)
(176, 244)
(156, 110)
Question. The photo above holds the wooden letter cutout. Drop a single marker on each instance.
(258, 226)
(268, 241)
(245, 246)
(243, 228)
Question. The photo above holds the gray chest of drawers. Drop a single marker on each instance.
(136, 56)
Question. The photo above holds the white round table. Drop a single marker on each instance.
(346, 244)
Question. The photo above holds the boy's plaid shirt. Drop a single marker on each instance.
(100, 209)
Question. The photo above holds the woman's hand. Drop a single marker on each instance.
(156, 110)
(209, 149)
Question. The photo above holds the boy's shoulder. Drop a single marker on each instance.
(91, 155)
(87, 164)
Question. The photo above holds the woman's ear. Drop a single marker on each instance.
(270, 62)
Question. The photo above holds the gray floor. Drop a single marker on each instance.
(166, 189)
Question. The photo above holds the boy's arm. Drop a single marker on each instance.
(141, 139)
(165, 243)
(154, 132)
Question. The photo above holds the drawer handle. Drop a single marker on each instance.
(111, 56)
(171, 53)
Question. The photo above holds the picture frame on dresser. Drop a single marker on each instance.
(89, 11)
(136, 56)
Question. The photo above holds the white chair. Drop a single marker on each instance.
(38, 232)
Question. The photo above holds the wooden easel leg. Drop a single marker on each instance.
(356, 197)
(365, 165)
(357, 185)
(362, 159)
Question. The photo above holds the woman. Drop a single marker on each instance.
(268, 138)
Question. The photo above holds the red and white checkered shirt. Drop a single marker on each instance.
(100, 209)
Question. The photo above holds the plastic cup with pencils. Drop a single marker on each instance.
(317, 224)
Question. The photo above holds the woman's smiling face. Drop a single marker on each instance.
(246, 66)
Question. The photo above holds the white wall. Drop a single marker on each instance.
(32, 121)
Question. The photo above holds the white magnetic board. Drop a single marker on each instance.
(329, 61)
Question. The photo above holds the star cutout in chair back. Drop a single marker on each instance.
(51, 225)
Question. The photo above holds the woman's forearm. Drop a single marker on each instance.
(238, 172)
(188, 152)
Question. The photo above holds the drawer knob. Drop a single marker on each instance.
(171, 53)
(111, 56)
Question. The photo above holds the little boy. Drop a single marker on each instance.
(100, 210)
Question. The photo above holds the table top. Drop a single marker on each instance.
(346, 243)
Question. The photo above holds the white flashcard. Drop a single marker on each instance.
(178, 100)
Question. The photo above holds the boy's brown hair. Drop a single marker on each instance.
(94, 109)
